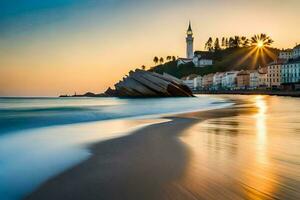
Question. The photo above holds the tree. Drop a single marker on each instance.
(226, 43)
(234, 42)
(173, 58)
(223, 42)
(261, 40)
(143, 67)
(161, 60)
(231, 42)
(208, 44)
(217, 44)
(244, 41)
(155, 59)
(169, 58)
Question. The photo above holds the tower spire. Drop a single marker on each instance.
(189, 42)
(190, 26)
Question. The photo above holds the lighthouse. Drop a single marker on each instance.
(189, 42)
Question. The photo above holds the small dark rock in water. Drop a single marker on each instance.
(142, 83)
(88, 94)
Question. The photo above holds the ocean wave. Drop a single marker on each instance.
(25, 113)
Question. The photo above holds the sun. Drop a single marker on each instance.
(260, 44)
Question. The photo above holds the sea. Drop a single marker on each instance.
(42, 137)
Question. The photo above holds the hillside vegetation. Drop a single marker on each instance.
(224, 60)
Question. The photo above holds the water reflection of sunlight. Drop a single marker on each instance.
(260, 117)
(261, 177)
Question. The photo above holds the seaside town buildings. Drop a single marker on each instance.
(217, 80)
(290, 71)
(243, 79)
(207, 81)
(254, 79)
(286, 54)
(229, 80)
(283, 73)
(274, 74)
(193, 81)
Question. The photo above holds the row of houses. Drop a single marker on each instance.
(283, 73)
(244, 79)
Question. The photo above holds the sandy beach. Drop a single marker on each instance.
(229, 153)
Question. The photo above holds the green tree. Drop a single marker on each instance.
(155, 59)
(161, 60)
(226, 43)
(169, 58)
(217, 44)
(173, 58)
(143, 67)
(209, 44)
(244, 41)
(223, 42)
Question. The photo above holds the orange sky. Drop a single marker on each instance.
(89, 50)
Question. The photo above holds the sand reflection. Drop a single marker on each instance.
(235, 157)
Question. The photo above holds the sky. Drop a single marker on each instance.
(54, 47)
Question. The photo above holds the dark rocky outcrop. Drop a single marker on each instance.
(140, 83)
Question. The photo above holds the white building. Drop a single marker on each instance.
(254, 79)
(202, 58)
(182, 61)
(193, 81)
(217, 80)
(198, 83)
(296, 51)
(290, 72)
(286, 54)
(229, 79)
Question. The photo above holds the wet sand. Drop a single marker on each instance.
(217, 154)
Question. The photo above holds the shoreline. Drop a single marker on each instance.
(226, 153)
(252, 92)
(139, 165)
(136, 167)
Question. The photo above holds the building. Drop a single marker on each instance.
(290, 74)
(243, 79)
(198, 83)
(207, 81)
(189, 47)
(254, 79)
(182, 61)
(285, 54)
(199, 58)
(203, 58)
(274, 74)
(189, 42)
(296, 51)
(217, 80)
(229, 79)
(263, 76)
(193, 81)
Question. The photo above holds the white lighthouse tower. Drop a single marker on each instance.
(189, 42)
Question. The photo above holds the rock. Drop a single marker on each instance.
(142, 83)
